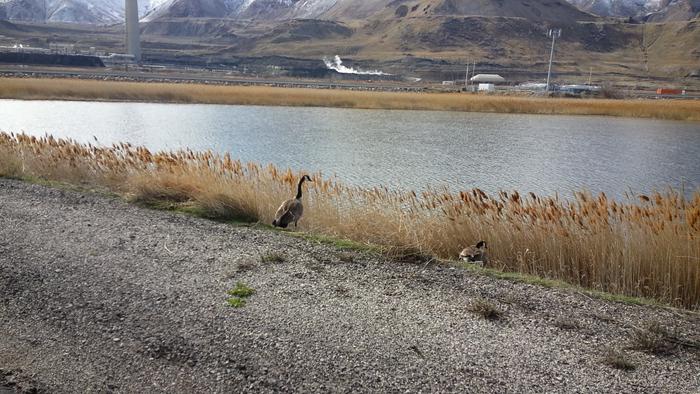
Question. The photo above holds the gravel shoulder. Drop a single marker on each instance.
(100, 295)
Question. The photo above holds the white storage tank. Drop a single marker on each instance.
(487, 78)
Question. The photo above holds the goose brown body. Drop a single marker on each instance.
(291, 210)
(474, 253)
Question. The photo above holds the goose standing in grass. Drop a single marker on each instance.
(475, 253)
(291, 210)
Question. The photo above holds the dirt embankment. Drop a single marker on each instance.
(97, 294)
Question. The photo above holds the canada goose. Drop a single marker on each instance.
(475, 253)
(291, 210)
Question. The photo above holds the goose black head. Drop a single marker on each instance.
(301, 181)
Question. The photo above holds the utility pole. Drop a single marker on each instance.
(590, 74)
(466, 77)
(554, 33)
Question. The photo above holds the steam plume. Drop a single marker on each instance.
(337, 65)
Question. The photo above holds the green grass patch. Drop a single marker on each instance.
(196, 210)
(236, 302)
(239, 294)
(558, 284)
(160, 205)
(225, 209)
(624, 298)
(71, 187)
(241, 290)
(516, 276)
(174, 206)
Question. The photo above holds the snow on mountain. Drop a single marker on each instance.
(675, 11)
(72, 11)
(148, 6)
(112, 11)
(618, 8)
(357, 10)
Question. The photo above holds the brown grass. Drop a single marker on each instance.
(654, 338)
(64, 89)
(485, 309)
(567, 323)
(273, 257)
(618, 360)
(644, 246)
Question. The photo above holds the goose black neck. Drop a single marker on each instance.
(299, 187)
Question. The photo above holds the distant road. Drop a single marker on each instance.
(213, 78)
(216, 78)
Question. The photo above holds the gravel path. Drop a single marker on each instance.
(100, 295)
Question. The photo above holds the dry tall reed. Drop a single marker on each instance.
(60, 89)
(646, 246)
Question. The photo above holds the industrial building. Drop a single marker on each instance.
(487, 78)
(487, 82)
(578, 89)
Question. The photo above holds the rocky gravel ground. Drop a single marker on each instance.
(100, 295)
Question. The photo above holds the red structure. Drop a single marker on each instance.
(668, 91)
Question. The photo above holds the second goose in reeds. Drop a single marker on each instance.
(291, 210)
(475, 253)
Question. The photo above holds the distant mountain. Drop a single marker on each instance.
(643, 10)
(618, 8)
(563, 11)
(676, 10)
(71, 11)
(429, 39)
(340, 10)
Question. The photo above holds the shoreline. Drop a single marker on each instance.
(196, 93)
(136, 101)
(217, 187)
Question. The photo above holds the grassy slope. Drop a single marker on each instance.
(25, 88)
(356, 247)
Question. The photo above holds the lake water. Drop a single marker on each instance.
(401, 149)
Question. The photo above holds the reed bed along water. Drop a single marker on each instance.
(645, 246)
(75, 89)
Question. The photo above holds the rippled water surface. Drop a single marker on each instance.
(406, 149)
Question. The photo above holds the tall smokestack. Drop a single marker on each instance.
(133, 42)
